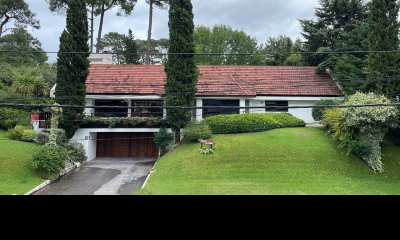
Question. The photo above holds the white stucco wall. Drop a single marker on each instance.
(303, 113)
(88, 137)
(257, 103)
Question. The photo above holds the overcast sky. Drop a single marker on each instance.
(259, 18)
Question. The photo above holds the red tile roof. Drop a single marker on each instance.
(214, 81)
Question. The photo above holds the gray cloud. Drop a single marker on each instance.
(258, 18)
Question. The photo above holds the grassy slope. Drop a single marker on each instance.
(282, 161)
(16, 174)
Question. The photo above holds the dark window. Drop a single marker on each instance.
(148, 112)
(207, 112)
(111, 112)
(276, 106)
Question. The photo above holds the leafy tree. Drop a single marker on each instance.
(16, 11)
(116, 43)
(181, 70)
(131, 54)
(383, 36)
(7, 76)
(96, 8)
(20, 44)
(281, 51)
(223, 39)
(72, 69)
(163, 5)
(125, 7)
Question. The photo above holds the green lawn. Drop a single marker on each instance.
(282, 161)
(16, 174)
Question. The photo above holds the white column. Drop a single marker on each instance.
(129, 109)
(164, 110)
(89, 111)
(199, 112)
(242, 104)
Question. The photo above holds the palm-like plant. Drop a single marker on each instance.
(30, 84)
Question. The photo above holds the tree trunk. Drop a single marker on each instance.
(178, 136)
(100, 29)
(149, 33)
(3, 24)
(92, 30)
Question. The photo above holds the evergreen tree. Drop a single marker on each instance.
(383, 36)
(131, 53)
(181, 69)
(72, 68)
(333, 19)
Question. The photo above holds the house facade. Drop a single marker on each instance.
(230, 86)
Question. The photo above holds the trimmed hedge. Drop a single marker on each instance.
(254, 122)
(196, 131)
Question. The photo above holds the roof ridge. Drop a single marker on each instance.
(239, 84)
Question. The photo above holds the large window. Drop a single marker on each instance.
(111, 112)
(207, 112)
(148, 112)
(276, 106)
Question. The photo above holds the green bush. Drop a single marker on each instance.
(11, 117)
(318, 113)
(76, 152)
(28, 136)
(362, 130)
(244, 123)
(42, 138)
(163, 139)
(49, 160)
(18, 132)
(195, 131)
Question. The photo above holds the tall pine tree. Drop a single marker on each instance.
(181, 69)
(73, 66)
(131, 52)
(383, 68)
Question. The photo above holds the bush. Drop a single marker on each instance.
(244, 123)
(76, 152)
(318, 113)
(362, 130)
(18, 132)
(28, 136)
(42, 138)
(196, 131)
(49, 160)
(11, 117)
(163, 139)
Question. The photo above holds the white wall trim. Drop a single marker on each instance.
(278, 98)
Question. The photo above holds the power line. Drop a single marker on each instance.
(264, 53)
(193, 107)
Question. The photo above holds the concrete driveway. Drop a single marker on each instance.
(103, 176)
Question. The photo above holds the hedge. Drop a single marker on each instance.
(11, 117)
(254, 122)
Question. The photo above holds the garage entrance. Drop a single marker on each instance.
(126, 145)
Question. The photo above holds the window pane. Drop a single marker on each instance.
(276, 106)
(147, 112)
(207, 112)
(111, 112)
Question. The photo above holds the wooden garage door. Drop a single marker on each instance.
(126, 145)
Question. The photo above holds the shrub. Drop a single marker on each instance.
(163, 139)
(42, 138)
(28, 136)
(362, 130)
(76, 152)
(49, 160)
(18, 132)
(318, 113)
(196, 131)
(243, 123)
(11, 117)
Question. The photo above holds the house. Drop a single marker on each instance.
(230, 86)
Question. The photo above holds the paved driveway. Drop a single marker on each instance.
(103, 176)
